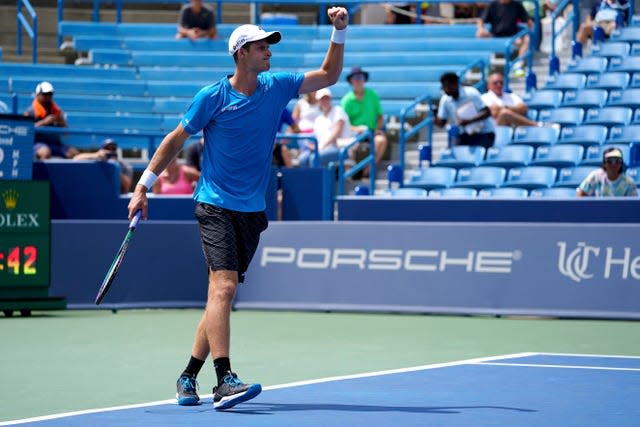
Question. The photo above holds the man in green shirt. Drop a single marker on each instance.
(363, 107)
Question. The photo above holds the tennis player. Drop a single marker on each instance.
(239, 116)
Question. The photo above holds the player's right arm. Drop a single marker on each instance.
(168, 149)
(329, 72)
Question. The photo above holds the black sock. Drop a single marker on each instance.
(193, 367)
(223, 367)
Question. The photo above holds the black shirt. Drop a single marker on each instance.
(203, 19)
(504, 18)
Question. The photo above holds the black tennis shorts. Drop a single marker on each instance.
(229, 238)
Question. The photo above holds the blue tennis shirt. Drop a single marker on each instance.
(239, 133)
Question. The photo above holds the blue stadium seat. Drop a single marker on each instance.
(531, 177)
(634, 173)
(584, 135)
(593, 154)
(50, 71)
(626, 34)
(82, 86)
(503, 135)
(433, 177)
(535, 135)
(628, 64)
(564, 116)
(480, 177)
(609, 81)
(624, 134)
(104, 103)
(624, 98)
(509, 156)
(504, 192)
(395, 176)
(566, 81)
(610, 49)
(461, 156)
(589, 65)
(585, 98)
(544, 99)
(101, 121)
(453, 192)
(558, 156)
(572, 177)
(609, 116)
(405, 192)
(635, 81)
(554, 192)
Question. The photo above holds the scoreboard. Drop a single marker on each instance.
(24, 235)
(25, 223)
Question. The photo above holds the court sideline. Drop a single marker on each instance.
(75, 360)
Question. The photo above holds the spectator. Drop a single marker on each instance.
(282, 156)
(109, 151)
(193, 159)
(399, 13)
(197, 21)
(364, 110)
(603, 14)
(507, 109)
(331, 128)
(463, 106)
(504, 17)
(610, 180)
(306, 111)
(46, 112)
(174, 180)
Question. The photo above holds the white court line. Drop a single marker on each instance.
(478, 360)
(533, 365)
(599, 356)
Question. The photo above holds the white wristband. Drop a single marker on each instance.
(339, 36)
(147, 179)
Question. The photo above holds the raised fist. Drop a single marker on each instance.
(339, 17)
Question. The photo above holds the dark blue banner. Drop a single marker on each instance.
(527, 269)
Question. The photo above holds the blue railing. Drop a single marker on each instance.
(301, 138)
(369, 160)
(31, 29)
(573, 18)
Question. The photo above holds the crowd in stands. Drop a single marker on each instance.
(471, 116)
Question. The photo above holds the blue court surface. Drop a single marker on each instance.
(518, 390)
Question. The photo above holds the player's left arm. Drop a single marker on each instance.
(329, 71)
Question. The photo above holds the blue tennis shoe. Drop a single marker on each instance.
(186, 391)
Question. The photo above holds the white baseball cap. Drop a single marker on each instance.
(44, 87)
(321, 93)
(251, 33)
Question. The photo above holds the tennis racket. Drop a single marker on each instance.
(115, 265)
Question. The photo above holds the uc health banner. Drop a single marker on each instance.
(590, 270)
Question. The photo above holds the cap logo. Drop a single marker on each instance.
(238, 44)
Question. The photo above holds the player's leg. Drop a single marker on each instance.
(186, 386)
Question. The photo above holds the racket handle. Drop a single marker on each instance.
(136, 218)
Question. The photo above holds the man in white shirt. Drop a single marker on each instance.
(463, 109)
(507, 109)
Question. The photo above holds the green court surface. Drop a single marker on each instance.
(72, 360)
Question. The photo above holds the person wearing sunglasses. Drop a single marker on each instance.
(507, 108)
(610, 180)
